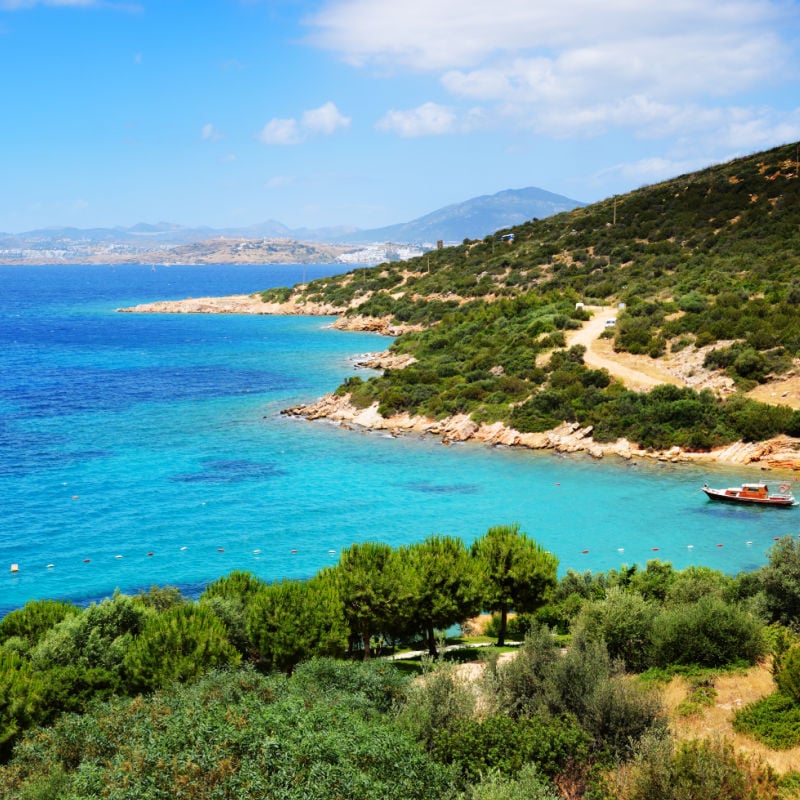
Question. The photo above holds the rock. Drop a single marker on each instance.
(782, 453)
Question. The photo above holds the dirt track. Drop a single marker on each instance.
(636, 372)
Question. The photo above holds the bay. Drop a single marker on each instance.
(150, 449)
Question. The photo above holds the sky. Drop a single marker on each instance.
(366, 113)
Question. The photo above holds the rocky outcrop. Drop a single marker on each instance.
(253, 304)
(384, 360)
(782, 453)
(373, 325)
(234, 304)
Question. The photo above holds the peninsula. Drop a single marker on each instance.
(663, 323)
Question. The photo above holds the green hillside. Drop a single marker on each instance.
(709, 257)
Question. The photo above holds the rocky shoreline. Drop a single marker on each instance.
(780, 453)
(253, 304)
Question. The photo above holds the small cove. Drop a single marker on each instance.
(150, 449)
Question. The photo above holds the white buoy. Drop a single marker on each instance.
(15, 567)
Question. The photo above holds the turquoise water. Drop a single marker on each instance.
(150, 449)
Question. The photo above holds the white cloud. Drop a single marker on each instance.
(280, 182)
(442, 34)
(428, 119)
(322, 121)
(280, 131)
(209, 133)
(574, 68)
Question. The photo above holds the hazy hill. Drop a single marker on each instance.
(473, 218)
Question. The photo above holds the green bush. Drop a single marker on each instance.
(787, 673)
(436, 703)
(178, 645)
(477, 746)
(696, 770)
(624, 621)
(709, 633)
(34, 620)
(231, 735)
(527, 784)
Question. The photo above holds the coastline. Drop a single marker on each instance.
(779, 453)
(253, 304)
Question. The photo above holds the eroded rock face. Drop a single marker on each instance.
(783, 452)
(385, 360)
(234, 304)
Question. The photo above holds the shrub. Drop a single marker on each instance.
(477, 746)
(773, 720)
(527, 784)
(519, 687)
(709, 633)
(379, 682)
(436, 703)
(787, 673)
(696, 770)
(178, 645)
(34, 619)
(619, 712)
(624, 620)
(781, 582)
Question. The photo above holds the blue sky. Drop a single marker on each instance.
(372, 112)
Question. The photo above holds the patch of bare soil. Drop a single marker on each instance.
(783, 392)
(733, 692)
(642, 373)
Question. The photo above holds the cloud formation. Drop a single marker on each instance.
(209, 133)
(322, 121)
(428, 119)
(572, 68)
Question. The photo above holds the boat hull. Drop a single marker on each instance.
(723, 496)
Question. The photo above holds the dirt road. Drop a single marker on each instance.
(639, 373)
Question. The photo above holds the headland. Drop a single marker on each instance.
(779, 453)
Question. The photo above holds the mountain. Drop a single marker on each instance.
(472, 219)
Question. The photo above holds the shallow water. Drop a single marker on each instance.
(150, 449)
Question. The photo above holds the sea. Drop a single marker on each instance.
(151, 449)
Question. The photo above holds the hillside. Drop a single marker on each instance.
(706, 263)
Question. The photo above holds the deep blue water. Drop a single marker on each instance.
(150, 449)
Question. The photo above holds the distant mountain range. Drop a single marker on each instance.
(472, 219)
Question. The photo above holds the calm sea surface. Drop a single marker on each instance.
(150, 449)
